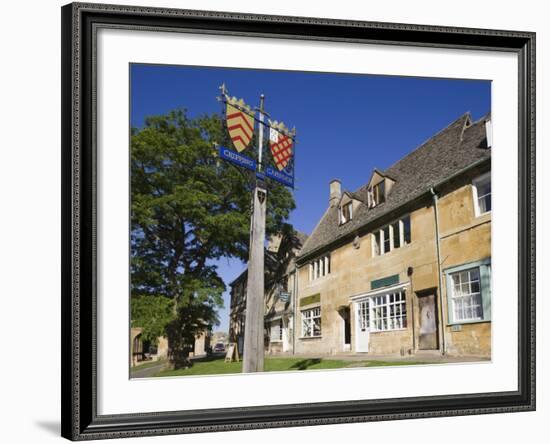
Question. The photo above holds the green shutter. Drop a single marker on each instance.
(450, 314)
(485, 277)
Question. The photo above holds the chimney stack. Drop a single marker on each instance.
(335, 192)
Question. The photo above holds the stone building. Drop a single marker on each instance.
(403, 264)
(280, 290)
(141, 351)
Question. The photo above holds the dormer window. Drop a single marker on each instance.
(346, 213)
(378, 189)
(377, 194)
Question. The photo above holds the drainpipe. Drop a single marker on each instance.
(413, 299)
(294, 313)
(440, 283)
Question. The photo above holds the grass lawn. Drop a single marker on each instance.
(217, 366)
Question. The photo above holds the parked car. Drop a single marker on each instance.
(219, 348)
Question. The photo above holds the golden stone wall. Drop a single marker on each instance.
(464, 238)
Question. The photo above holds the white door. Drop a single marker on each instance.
(361, 326)
(287, 335)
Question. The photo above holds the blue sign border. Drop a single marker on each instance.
(237, 158)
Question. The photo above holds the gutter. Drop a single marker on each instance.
(442, 341)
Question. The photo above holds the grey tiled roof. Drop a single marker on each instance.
(453, 149)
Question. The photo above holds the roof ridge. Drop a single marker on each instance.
(315, 228)
(441, 131)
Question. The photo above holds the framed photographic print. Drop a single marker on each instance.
(278, 221)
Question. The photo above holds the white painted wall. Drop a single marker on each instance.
(30, 218)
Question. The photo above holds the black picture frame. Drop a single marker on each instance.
(80, 420)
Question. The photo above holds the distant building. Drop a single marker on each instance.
(144, 351)
(280, 283)
(140, 351)
(220, 337)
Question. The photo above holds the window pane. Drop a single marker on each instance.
(317, 327)
(381, 192)
(376, 240)
(406, 230)
(386, 231)
(483, 188)
(396, 237)
(484, 204)
(466, 296)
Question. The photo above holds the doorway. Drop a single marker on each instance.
(428, 334)
(346, 327)
(361, 326)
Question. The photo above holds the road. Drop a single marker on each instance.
(147, 372)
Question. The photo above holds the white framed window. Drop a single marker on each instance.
(276, 333)
(392, 236)
(311, 322)
(481, 190)
(376, 194)
(469, 292)
(384, 312)
(466, 295)
(346, 213)
(319, 267)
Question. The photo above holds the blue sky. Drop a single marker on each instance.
(346, 124)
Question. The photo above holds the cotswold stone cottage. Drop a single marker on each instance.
(403, 264)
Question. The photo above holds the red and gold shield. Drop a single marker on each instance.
(240, 125)
(281, 148)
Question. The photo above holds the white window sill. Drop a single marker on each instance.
(477, 214)
(467, 321)
(320, 279)
(389, 330)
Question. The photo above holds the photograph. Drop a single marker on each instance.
(290, 221)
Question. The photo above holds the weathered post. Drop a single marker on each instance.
(253, 355)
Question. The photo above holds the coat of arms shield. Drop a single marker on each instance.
(281, 145)
(240, 124)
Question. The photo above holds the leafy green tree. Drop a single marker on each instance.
(189, 208)
(152, 314)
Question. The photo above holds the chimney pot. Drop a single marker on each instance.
(335, 191)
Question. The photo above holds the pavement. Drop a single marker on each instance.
(420, 356)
